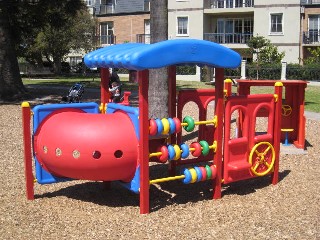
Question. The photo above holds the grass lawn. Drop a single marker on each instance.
(312, 95)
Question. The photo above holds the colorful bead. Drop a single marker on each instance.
(159, 126)
(165, 154)
(205, 147)
(197, 149)
(171, 151)
(178, 124)
(185, 150)
(214, 171)
(172, 126)
(193, 175)
(204, 173)
(209, 172)
(189, 120)
(187, 176)
(166, 126)
(177, 151)
(199, 173)
(152, 127)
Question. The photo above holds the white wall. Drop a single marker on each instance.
(288, 41)
(193, 9)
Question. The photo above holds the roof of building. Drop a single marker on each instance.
(137, 56)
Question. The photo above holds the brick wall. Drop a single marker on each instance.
(126, 27)
(307, 12)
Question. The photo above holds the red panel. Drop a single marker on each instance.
(294, 97)
(237, 150)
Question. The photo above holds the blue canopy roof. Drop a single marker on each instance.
(137, 56)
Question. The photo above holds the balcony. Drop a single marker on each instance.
(228, 38)
(309, 2)
(104, 40)
(106, 9)
(311, 37)
(209, 4)
(143, 38)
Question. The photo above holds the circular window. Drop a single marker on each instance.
(118, 154)
(96, 154)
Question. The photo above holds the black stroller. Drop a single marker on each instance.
(75, 94)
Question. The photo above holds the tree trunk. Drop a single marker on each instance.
(11, 86)
(57, 65)
(158, 83)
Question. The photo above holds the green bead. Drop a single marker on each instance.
(205, 147)
(189, 120)
(209, 172)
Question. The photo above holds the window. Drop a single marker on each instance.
(182, 26)
(314, 28)
(89, 2)
(147, 30)
(75, 60)
(106, 33)
(238, 30)
(146, 6)
(276, 23)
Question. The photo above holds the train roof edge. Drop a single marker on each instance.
(138, 56)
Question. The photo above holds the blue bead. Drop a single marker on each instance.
(187, 179)
(172, 126)
(185, 150)
(159, 125)
(199, 173)
(171, 151)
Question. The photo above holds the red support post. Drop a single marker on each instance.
(26, 118)
(143, 157)
(104, 89)
(301, 134)
(277, 131)
(218, 133)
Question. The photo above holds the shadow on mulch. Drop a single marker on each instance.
(161, 195)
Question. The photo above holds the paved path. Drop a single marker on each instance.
(312, 115)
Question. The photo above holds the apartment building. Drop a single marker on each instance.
(121, 21)
(233, 22)
(292, 25)
(279, 21)
(310, 26)
(118, 21)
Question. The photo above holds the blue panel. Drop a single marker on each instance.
(132, 112)
(39, 113)
(171, 52)
(134, 184)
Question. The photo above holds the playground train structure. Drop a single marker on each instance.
(115, 142)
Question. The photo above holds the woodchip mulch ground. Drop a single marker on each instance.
(252, 209)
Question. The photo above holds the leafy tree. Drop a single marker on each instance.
(265, 51)
(315, 56)
(20, 23)
(158, 86)
(56, 42)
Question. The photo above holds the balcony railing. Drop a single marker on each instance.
(228, 3)
(309, 2)
(311, 37)
(143, 38)
(106, 40)
(106, 9)
(228, 38)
